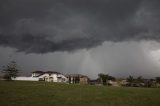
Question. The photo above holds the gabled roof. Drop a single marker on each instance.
(37, 72)
(52, 72)
(46, 72)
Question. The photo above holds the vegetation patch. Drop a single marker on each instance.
(23, 93)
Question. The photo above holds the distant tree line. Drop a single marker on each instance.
(141, 82)
(130, 81)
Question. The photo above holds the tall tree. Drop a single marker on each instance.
(104, 78)
(130, 79)
(10, 71)
(158, 80)
(140, 79)
(111, 78)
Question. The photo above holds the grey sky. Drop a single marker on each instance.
(82, 36)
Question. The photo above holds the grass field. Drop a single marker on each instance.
(19, 93)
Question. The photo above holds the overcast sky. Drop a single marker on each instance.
(118, 37)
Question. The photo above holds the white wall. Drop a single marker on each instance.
(26, 79)
(54, 76)
(46, 76)
(35, 74)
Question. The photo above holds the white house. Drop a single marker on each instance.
(48, 76)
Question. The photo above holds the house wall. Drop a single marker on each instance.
(73, 79)
(77, 79)
(26, 79)
(62, 78)
(83, 80)
(53, 77)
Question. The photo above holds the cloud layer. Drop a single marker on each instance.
(47, 26)
(118, 59)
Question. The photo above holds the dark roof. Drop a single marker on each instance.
(45, 72)
(48, 72)
(52, 72)
(37, 72)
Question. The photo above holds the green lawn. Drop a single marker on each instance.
(19, 93)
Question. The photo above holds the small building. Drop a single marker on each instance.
(113, 83)
(77, 78)
(123, 82)
(95, 82)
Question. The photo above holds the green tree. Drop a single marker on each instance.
(158, 80)
(112, 78)
(10, 71)
(130, 79)
(104, 78)
(140, 79)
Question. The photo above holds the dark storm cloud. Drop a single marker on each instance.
(38, 26)
(39, 44)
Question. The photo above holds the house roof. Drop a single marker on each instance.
(45, 72)
(52, 72)
(37, 72)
